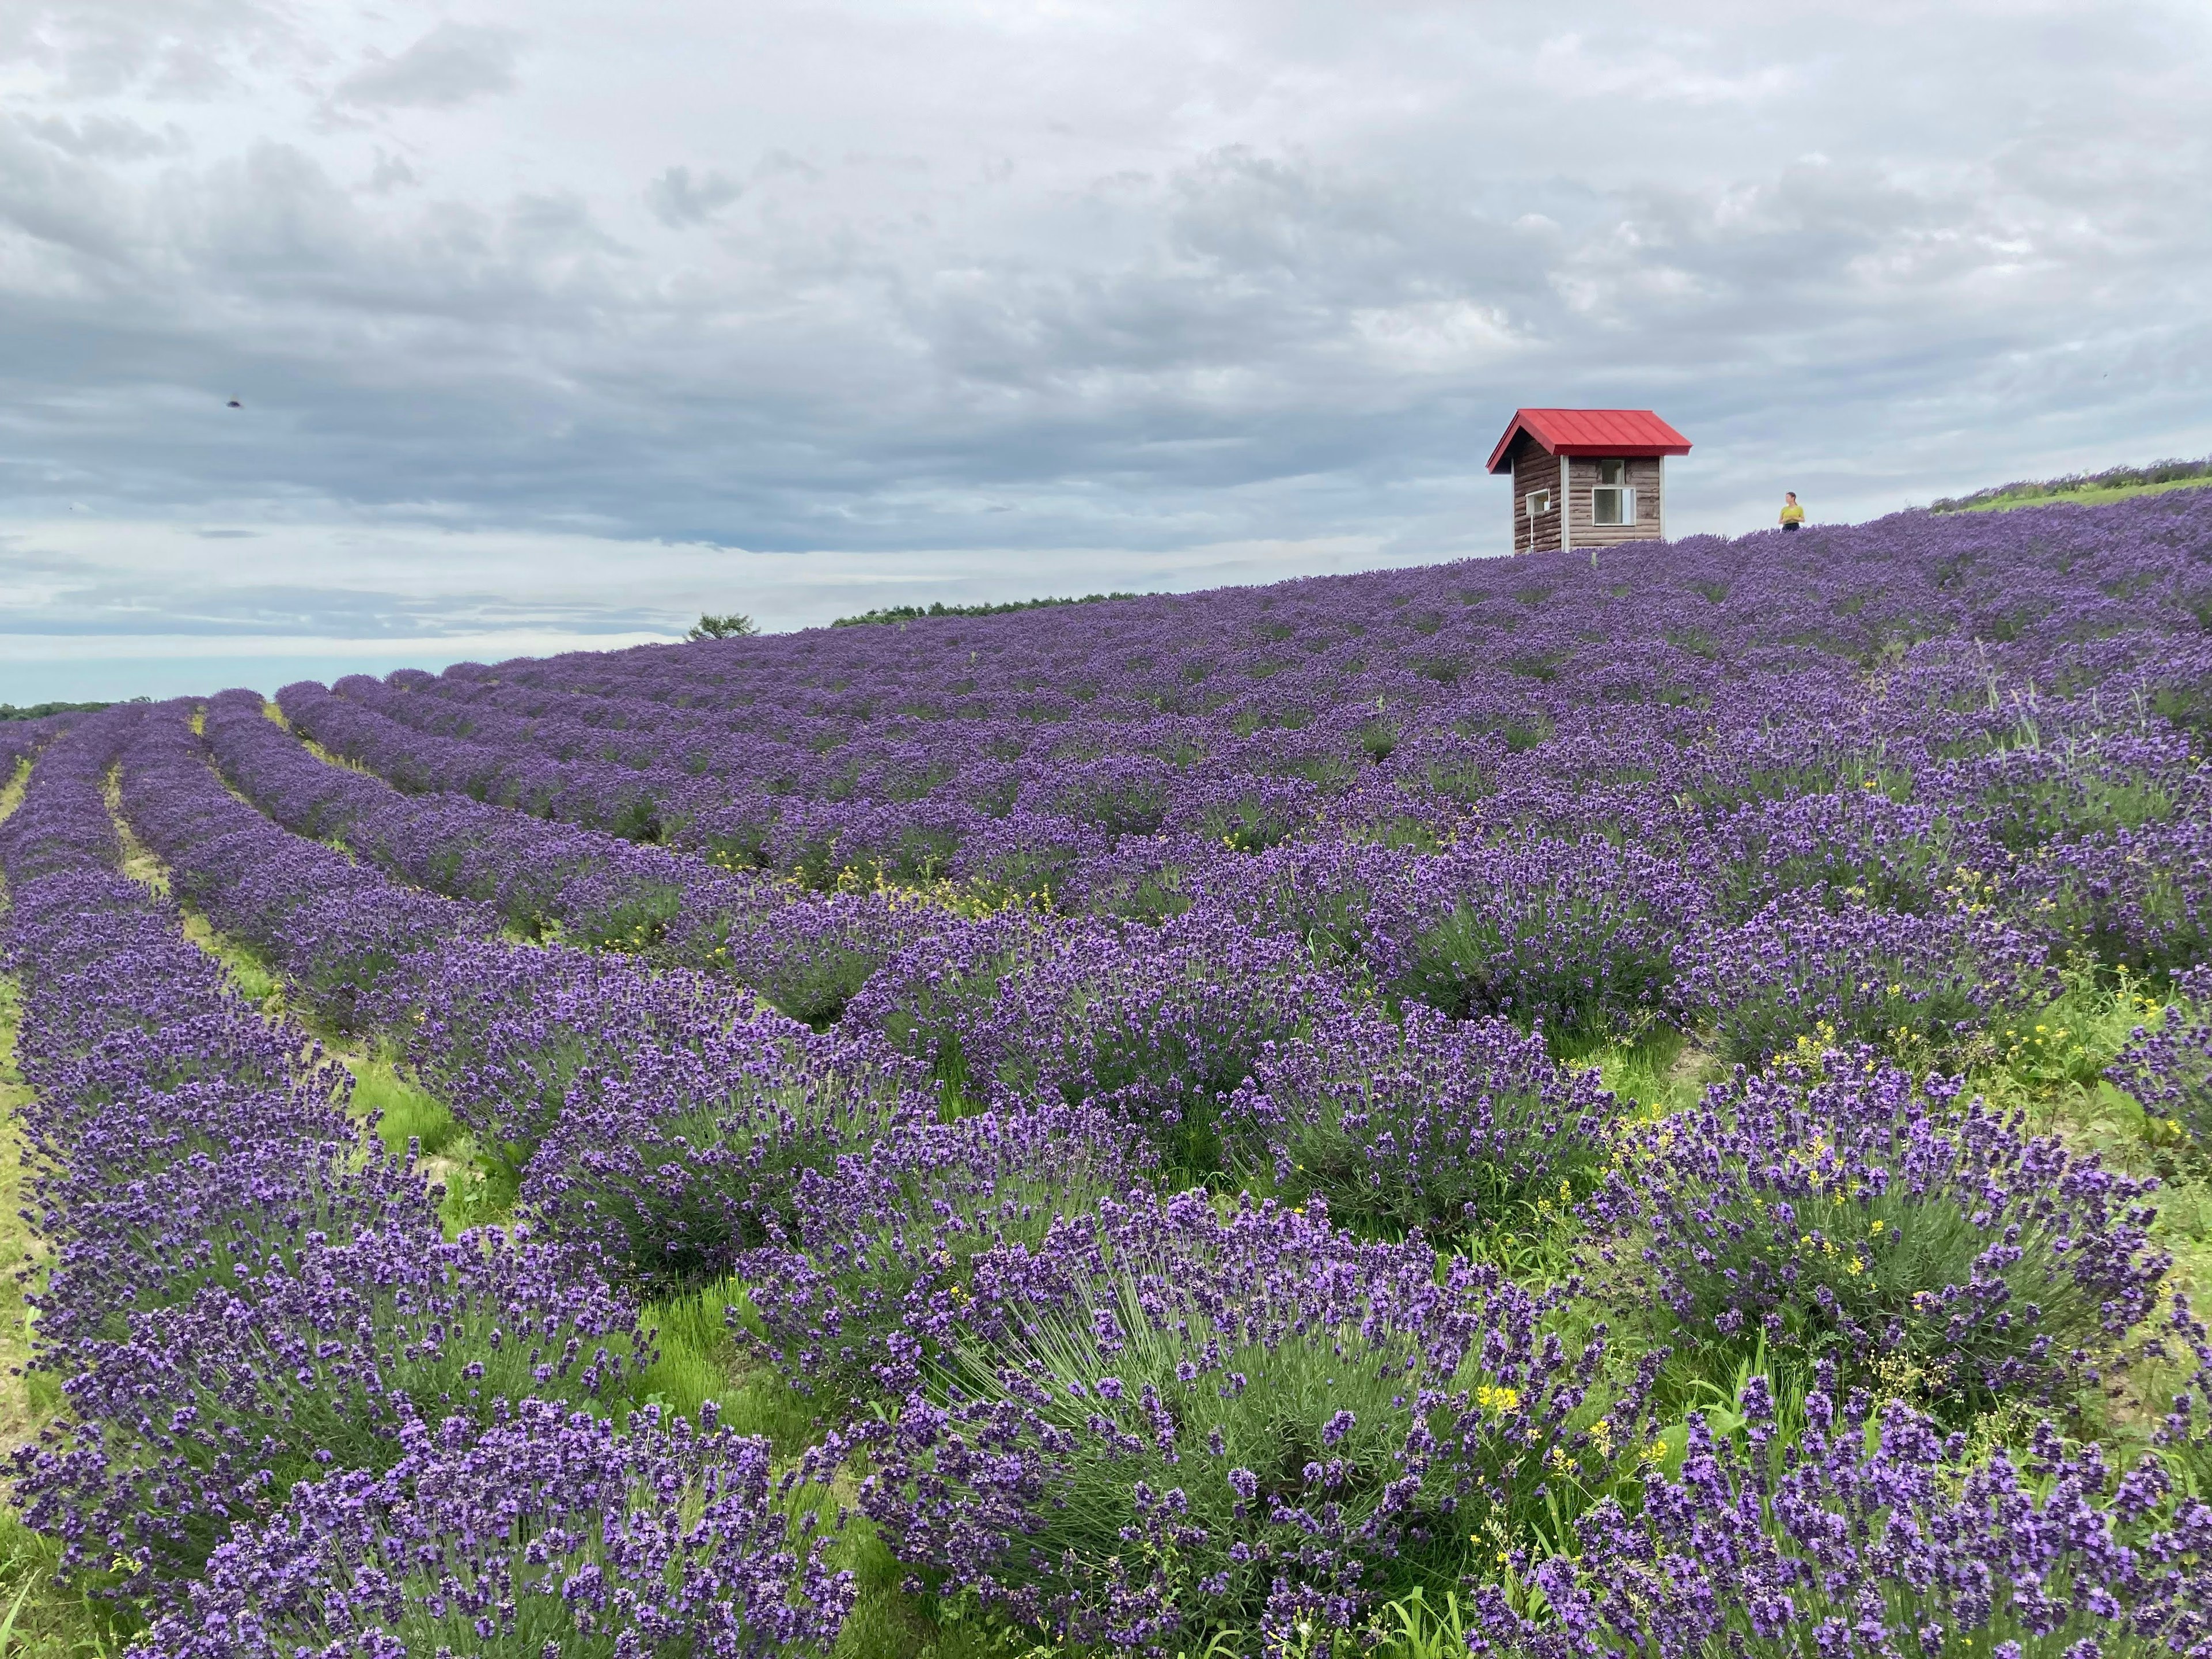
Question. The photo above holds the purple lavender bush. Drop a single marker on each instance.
(810, 957)
(889, 1239)
(932, 1000)
(1864, 1536)
(1856, 1214)
(2169, 1070)
(1027, 857)
(504, 1037)
(1158, 1026)
(1443, 1126)
(665, 1174)
(1160, 1424)
(203, 1414)
(1925, 986)
(1583, 936)
(546, 1533)
(1857, 847)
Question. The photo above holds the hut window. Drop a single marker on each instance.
(1613, 502)
(1539, 502)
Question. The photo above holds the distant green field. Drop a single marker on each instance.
(2096, 497)
(2085, 490)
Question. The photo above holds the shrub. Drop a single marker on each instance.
(1157, 1025)
(548, 1533)
(1443, 1126)
(1925, 986)
(2135, 900)
(665, 1173)
(2029, 796)
(279, 1374)
(1580, 936)
(1854, 1214)
(1247, 814)
(502, 1037)
(1864, 1537)
(1334, 897)
(1160, 1424)
(1029, 856)
(1121, 794)
(879, 1238)
(1855, 846)
(2169, 1070)
(810, 957)
(930, 1000)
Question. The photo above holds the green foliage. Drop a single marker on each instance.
(404, 1111)
(735, 626)
(44, 1620)
(39, 711)
(2087, 488)
(1567, 958)
(1347, 1396)
(1658, 1070)
(907, 613)
(696, 1357)
(634, 917)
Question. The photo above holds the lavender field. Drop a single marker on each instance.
(1659, 1105)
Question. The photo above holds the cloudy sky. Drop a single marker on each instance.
(557, 322)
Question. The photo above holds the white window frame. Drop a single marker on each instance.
(1624, 494)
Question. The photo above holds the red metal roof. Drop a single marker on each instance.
(1591, 432)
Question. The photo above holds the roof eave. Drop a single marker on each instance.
(1626, 451)
(1517, 429)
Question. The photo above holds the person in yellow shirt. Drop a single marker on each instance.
(1793, 516)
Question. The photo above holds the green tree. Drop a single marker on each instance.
(735, 626)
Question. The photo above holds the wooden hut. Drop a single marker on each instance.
(1587, 478)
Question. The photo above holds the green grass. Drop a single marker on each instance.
(2054, 495)
(1663, 1072)
(23, 1411)
(43, 1619)
(698, 1358)
(405, 1110)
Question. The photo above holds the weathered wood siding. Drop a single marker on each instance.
(1643, 477)
(1533, 469)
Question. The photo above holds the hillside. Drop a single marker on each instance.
(1305, 1119)
(2084, 489)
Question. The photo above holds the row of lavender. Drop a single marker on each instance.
(1848, 914)
(1223, 1054)
(1694, 669)
(543, 879)
(1760, 632)
(1587, 821)
(279, 1376)
(976, 1257)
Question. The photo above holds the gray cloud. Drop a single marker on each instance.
(450, 65)
(677, 199)
(959, 286)
(101, 137)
